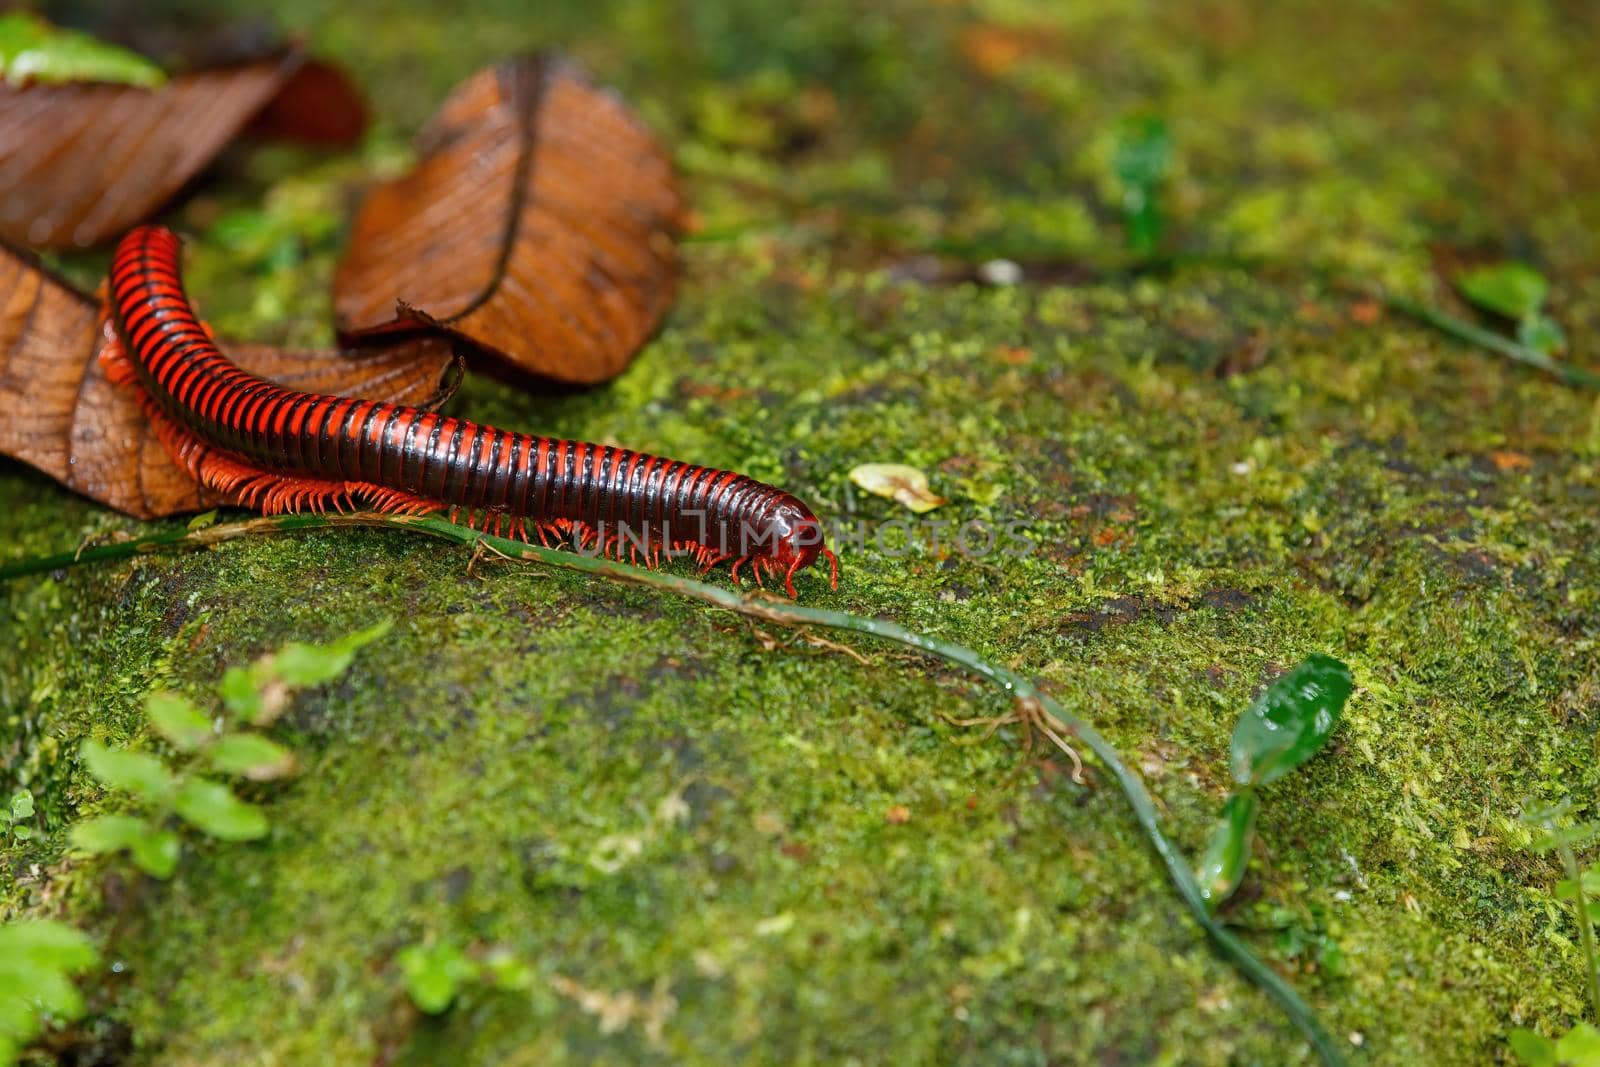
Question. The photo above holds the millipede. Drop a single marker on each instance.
(279, 450)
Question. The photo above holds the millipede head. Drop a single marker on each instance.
(796, 542)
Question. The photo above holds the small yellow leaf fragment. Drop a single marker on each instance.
(902, 484)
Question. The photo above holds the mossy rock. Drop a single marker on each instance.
(713, 841)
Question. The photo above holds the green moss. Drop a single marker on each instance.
(685, 831)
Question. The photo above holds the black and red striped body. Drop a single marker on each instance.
(280, 449)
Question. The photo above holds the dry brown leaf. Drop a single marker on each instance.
(60, 414)
(539, 224)
(319, 104)
(79, 164)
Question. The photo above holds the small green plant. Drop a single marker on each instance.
(227, 744)
(1142, 159)
(37, 961)
(17, 815)
(1285, 726)
(435, 972)
(1555, 832)
(1303, 938)
(1517, 292)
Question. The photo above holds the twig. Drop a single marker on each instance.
(1020, 691)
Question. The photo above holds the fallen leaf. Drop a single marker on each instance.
(81, 163)
(319, 104)
(1511, 461)
(538, 223)
(902, 484)
(897, 815)
(59, 413)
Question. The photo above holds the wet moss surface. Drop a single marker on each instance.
(715, 842)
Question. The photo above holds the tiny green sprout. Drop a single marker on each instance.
(1517, 292)
(223, 745)
(1586, 886)
(1281, 730)
(37, 961)
(17, 813)
(436, 972)
(1142, 159)
(1554, 832)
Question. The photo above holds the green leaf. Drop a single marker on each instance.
(1227, 853)
(154, 851)
(1514, 290)
(1567, 889)
(108, 833)
(1542, 816)
(302, 665)
(21, 833)
(204, 519)
(1539, 332)
(134, 772)
(178, 720)
(251, 756)
(36, 957)
(21, 806)
(29, 990)
(1566, 837)
(212, 808)
(1532, 1048)
(434, 974)
(32, 50)
(241, 693)
(46, 943)
(1289, 722)
(1579, 1047)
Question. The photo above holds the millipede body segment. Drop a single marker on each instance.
(277, 449)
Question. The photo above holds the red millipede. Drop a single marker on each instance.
(279, 450)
